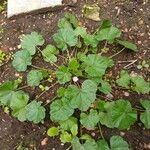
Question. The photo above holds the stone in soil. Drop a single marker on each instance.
(24, 6)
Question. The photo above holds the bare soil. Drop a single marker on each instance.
(132, 16)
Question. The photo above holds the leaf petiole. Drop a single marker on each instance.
(100, 130)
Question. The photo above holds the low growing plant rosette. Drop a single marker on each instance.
(82, 79)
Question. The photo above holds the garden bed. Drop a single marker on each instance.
(131, 17)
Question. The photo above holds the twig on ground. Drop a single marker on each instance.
(117, 53)
(46, 91)
(125, 67)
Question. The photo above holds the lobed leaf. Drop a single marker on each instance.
(35, 112)
(31, 41)
(105, 87)
(49, 53)
(64, 38)
(53, 131)
(124, 80)
(90, 120)
(34, 77)
(96, 65)
(128, 45)
(60, 110)
(84, 97)
(140, 85)
(145, 116)
(123, 116)
(109, 34)
(63, 74)
(22, 59)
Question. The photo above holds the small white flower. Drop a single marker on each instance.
(75, 79)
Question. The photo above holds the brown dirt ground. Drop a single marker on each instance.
(132, 16)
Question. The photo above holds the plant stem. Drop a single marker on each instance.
(46, 91)
(42, 68)
(51, 61)
(69, 147)
(105, 45)
(117, 53)
(100, 130)
(68, 54)
(40, 95)
(23, 87)
(138, 109)
(55, 64)
(39, 49)
(50, 101)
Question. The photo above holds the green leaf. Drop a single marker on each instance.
(60, 110)
(22, 59)
(65, 137)
(105, 87)
(35, 112)
(34, 77)
(53, 131)
(64, 38)
(106, 115)
(49, 53)
(61, 92)
(90, 40)
(20, 114)
(85, 137)
(108, 34)
(63, 74)
(123, 116)
(117, 143)
(128, 45)
(96, 65)
(145, 116)
(7, 92)
(124, 80)
(84, 97)
(106, 24)
(100, 105)
(81, 56)
(72, 19)
(76, 145)
(74, 130)
(67, 124)
(19, 100)
(64, 23)
(89, 121)
(80, 31)
(31, 41)
(70, 125)
(90, 145)
(103, 145)
(140, 85)
(73, 67)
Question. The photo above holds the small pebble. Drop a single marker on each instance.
(17, 74)
(44, 141)
(126, 94)
(122, 133)
(19, 46)
(140, 22)
(93, 134)
(109, 96)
